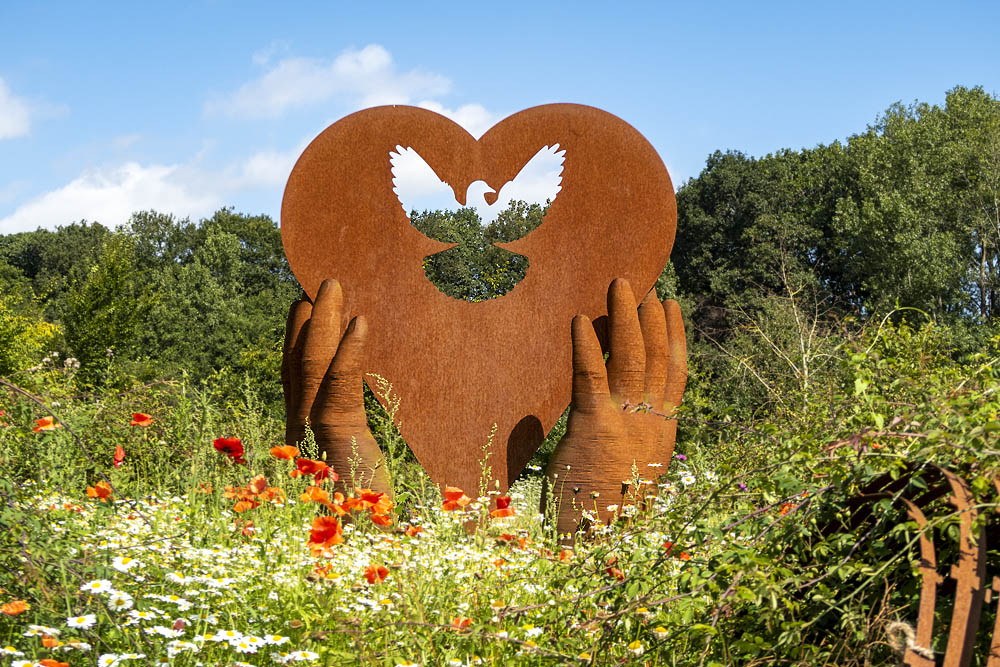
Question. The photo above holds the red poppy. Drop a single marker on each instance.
(503, 508)
(140, 419)
(44, 424)
(616, 573)
(454, 498)
(376, 573)
(318, 469)
(460, 622)
(231, 447)
(382, 519)
(119, 456)
(286, 452)
(326, 531)
(413, 531)
(101, 491)
(785, 509)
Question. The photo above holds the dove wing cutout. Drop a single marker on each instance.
(418, 187)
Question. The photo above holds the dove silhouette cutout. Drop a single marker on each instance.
(415, 182)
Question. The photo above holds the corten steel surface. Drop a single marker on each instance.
(321, 377)
(591, 466)
(460, 367)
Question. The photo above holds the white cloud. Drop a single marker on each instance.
(110, 196)
(473, 117)
(366, 77)
(14, 116)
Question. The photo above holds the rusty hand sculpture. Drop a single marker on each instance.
(647, 364)
(321, 376)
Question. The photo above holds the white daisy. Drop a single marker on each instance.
(302, 655)
(124, 563)
(96, 586)
(177, 646)
(108, 660)
(74, 644)
(227, 636)
(9, 650)
(83, 622)
(276, 640)
(243, 646)
(120, 600)
(688, 479)
(35, 630)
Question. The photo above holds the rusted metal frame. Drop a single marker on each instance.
(969, 575)
(994, 657)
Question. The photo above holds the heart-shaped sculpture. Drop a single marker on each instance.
(459, 367)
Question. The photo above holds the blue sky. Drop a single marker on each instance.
(186, 107)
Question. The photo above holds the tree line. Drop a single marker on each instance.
(774, 256)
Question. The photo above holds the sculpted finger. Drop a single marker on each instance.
(321, 340)
(291, 356)
(677, 369)
(627, 358)
(349, 355)
(590, 380)
(653, 323)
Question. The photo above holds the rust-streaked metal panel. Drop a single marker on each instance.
(458, 366)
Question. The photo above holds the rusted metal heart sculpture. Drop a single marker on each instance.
(460, 367)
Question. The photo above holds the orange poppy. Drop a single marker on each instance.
(460, 622)
(315, 494)
(140, 419)
(413, 531)
(244, 505)
(101, 491)
(49, 662)
(454, 498)
(376, 573)
(382, 519)
(565, 555)
(119, 456)
(785, 509)
(14, 607)
(257, 485)
(49, 642)
(45, 424)
(285, 452)
(376, 501)
(684, 556)
(503, 508)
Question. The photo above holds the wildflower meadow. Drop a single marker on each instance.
(161, 525)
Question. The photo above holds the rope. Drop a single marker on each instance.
(902, 637)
